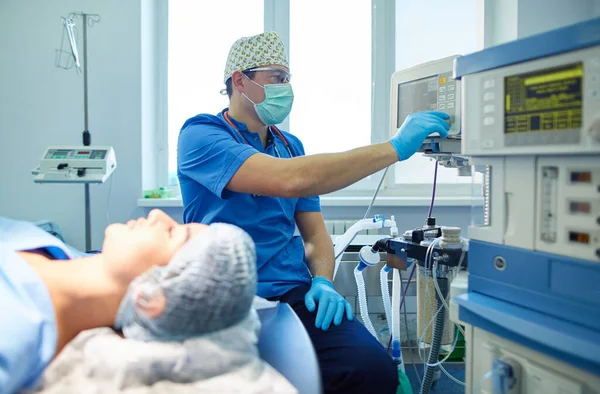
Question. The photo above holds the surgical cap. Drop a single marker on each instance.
(255, 51)
(208, 285)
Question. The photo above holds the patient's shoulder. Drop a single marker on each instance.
(22, 236)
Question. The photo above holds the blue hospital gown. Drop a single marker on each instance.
(28, 332)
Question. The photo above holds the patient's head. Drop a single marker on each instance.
(131, 249)
(207, 286)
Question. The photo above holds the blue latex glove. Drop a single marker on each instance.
(415, 130)
(331, 305)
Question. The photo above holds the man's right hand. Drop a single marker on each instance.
(415, 129)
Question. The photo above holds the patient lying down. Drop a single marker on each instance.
(187, 327)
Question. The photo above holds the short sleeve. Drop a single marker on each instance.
(305, 204)
(28, 339)
(209, 155)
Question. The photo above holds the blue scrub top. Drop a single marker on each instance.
(28, 332)
(209, 153)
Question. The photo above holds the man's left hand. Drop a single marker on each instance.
(332, 305)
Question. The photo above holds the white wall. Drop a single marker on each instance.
(41, 105)
(536, 16)
(500, 21)
(507, 20)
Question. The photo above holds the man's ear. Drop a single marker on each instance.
(148, 301)
(238, 80)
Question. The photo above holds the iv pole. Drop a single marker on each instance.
(87, 137)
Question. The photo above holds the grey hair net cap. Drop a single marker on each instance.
(208, 285)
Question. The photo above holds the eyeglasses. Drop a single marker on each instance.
(284, 76)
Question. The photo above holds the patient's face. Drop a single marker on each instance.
(130, 249)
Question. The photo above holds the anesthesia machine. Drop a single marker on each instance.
(531, 124)
(525, 122)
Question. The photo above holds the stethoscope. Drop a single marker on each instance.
(273, 130)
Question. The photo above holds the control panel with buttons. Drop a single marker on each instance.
(427, 87)
(548, 105)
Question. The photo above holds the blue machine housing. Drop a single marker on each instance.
(563, 287)
(542, 301)
(566, 39)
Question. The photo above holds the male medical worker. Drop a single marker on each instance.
(238, 167)
(49, 292)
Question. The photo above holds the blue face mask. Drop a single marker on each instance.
(277, 105)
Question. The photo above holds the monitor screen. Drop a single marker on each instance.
(547, 100)
(60, 153)
(417, 96)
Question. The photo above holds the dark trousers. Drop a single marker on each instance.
(350, 358)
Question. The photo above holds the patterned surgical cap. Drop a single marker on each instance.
(255, 51)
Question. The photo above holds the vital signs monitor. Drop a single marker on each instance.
(426, 87)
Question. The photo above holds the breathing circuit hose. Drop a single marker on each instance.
(381, 246)
(385, 294)
(438, 332)
(362, 298)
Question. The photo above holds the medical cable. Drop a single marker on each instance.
(438, 318)
(434, 274)
(434, 350)
(373, 95)
(433, 192)
(439, 292)
(438, 328)
(438, 363)
(376, 193)
(437, 289)
(428, 215)
(412, 356)
(440, 296)
(450, 376)
(429, 265)
(341, 252)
